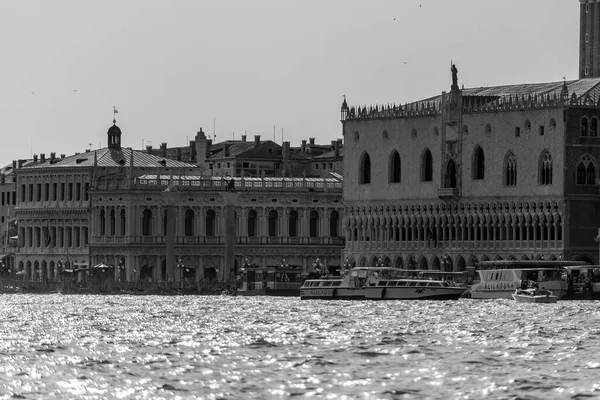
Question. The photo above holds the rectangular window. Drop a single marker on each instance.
(70, 192)
(38, 192)
(30, 187)
(54, 191)
(14, 197)
(228, 164)
(78, 192)
(46, 191)
(541, 130)
(517, 131)
(2, 198)
(317, 166)
(62, 192)
(86, 189)
(587, 71)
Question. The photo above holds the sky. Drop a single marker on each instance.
(275, 68)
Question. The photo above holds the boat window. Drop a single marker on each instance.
(336, 283)
(411, 283)
(402, 283)
(392, 283)
(421, 283)
(434, 284)
(328, 283)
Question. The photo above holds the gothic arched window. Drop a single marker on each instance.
(394, 169)
(293, 224)
(545, 176)
(273, 219)
(583, 127)
(334, 218)
(478, 163)
(252, 223)
(510, 170)
(426, 166)
(189, 222)
(314, 224)
(210, 223)
(147, 222)
(364, 169)
(586, 171)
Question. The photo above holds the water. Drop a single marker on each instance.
(211, 347)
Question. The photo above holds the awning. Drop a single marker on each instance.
(2, 256)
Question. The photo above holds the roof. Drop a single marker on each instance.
(107, 157)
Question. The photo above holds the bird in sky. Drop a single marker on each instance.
(74, 90)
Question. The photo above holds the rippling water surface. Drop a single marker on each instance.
(213, 347)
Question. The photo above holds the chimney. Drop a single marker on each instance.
(256, 140)
(208, 145)
(52, 156)
(192, 150)
(243, 138)
(163, 150)
(179, 154)
(35, 158)
(43, 157)
(20, 163)
(225, 149)
(303, 147)
(339, 146)
(336, 147)
(14, 164)
(2, 178)
(286, 157)
(62, 156)
(149, 149)
(312, 141)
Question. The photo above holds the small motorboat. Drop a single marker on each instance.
(534, 295)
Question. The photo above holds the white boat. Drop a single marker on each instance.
(583, 283)
(534, 295)
(382, 283)
(499, 279)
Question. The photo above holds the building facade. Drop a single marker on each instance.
(474, 174)
(112, 207)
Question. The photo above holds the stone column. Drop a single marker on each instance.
(229, 235)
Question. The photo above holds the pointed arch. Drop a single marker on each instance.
(478, 163)
(594, 127)
(394, 169)
(545, 168)
(583, 126)
(364, 169)
(426, 166)
(510, 169)
(450, 177)
(586, 170)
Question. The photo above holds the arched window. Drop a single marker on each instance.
(123, 223)
(147, 222)
(314, 224)
(586, 171)
(252, 223)
(426, 166)
(113, 223)
(583, 126)
(450, 180)
(365, 169)
(594, 127)
(394, 169)
(189, 222)
(210, 223)
(478, 164)
(510, 170)
(273, 218)
(334, 219)
(545, 176)
(102, 220)
(293, 224)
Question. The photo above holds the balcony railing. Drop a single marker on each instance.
(200, 240)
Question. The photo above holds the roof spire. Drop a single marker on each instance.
(115, 112)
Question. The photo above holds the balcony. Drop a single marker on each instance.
(448, 193)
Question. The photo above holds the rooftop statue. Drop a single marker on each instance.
(454, 75)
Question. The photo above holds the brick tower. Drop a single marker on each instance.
(589, 39)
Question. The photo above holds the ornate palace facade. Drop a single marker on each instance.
(476, 174)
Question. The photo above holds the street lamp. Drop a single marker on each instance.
(411, 262)
(347, 265)
(246, 263)
(379, 262)
(445, 262)
(284, 263)
(318, 265)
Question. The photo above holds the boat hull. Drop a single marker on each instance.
(534, 299)
(332, 293)
(413, 293)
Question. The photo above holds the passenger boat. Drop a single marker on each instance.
(271, 281)
(499, 279)
(382, 283)
(583, 282)
(534, 295)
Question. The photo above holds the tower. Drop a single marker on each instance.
(114, 133)
(201, 149)
(589, 39)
